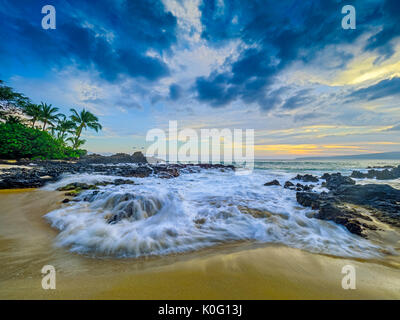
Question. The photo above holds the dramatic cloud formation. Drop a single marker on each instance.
(385, 88)
(114, 37)
(276, 34)
(275, 66)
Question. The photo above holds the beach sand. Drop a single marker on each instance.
(232, 271)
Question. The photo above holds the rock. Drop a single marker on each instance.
(289, 185)
(325, 176)
(138, 157)
(66, 201)
(41, 172)
(386, 174)
(73, 193)
(306, 178)
(168, 173)
(340, 215)
(118, 182)
(272, 183)
(308, 199)
(77, 186)
(335, 180)
(358, 175)
(353, 206)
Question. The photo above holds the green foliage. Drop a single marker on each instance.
(11, 102)
(83, 120)
(48, 114)
(33, 111)
(19, 141)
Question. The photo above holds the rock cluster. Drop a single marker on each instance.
(37, 173)
(385, 174)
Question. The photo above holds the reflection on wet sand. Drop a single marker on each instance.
(233, 271)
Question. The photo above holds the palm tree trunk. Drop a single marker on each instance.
(44, 125)
(78, 135)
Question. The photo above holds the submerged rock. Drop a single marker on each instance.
(289, 185)
(272, 183)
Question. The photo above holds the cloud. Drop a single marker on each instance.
(175, 92)
(114, 37)
(394, 128)
(383, 89)
(277, 34)
(298, 100)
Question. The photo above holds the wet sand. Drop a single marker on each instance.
(232, 271)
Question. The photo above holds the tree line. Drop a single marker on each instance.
(19, 114)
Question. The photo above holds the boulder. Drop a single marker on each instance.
(289, 185)
(306, 178)
(335, 180)
(272, 183)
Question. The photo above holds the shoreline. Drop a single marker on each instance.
(232, 271)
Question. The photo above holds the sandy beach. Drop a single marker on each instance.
(244, 270)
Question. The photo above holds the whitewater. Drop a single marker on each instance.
(197, 210)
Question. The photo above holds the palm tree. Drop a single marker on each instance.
(83, 120)
(63, 127)
(48, 114)
(34, 111)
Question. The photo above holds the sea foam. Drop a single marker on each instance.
(162, 216)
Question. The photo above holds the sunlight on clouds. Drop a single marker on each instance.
(306, 149)
(362, 69)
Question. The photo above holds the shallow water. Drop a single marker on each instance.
(199, 210)
(239, 270)
(207, 235)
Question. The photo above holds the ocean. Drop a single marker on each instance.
(204, 209)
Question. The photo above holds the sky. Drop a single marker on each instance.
(286, 69)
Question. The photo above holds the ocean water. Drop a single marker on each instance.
(203, 209)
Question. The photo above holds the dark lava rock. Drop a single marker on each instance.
(289, 185)
(358, 175)
(306, 178)
(300, 187)
(386, 174)
(272, 183)
(119, 182)
(335, 180)
(44, 171)
(308, 199)
(341, 215)
(353, 206)
(137, 157)
(76, 186)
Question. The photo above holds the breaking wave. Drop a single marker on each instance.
(157, 216)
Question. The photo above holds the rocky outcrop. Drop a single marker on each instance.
(306, 178)
(137, 157)
(385, 174)
(354, 206)
(333, 181)
(41, 172)
(272, 183)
